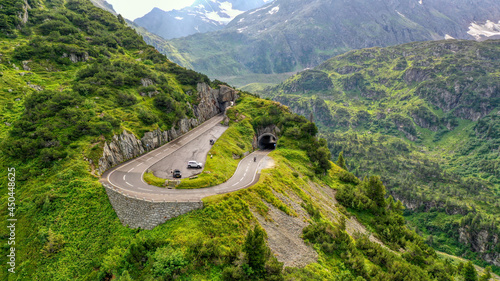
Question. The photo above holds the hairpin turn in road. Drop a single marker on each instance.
(194, 145)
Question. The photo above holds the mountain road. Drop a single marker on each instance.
(194, 145)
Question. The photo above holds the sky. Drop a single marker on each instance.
(132, 9)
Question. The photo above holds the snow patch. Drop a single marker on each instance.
(227, 8)
(400, 14)
(241, 20)
(421, 2)
(274, 10)
(488, 29)
(226, 14)
(179, 18)
(240, 30)
(448, 37)
(260, 9)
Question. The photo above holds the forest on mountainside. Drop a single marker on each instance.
(425, 118)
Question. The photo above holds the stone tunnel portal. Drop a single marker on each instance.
(267, 141)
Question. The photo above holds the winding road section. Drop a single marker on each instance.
(128, 176)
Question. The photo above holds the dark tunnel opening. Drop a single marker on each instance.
(267, 141)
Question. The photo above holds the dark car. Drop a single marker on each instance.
(177, 174)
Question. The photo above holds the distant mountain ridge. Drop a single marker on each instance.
(202, 16)
(286, 36)
(104, 5)
(425, 116)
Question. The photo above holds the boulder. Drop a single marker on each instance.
(35, 87)
(74, 58)
(25, 65)
(145, 82)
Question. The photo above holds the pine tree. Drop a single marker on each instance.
(486, 275)
(256, 251)
(125, 276)
(121, 19)
(341, 161)
(469, 272)
(375, 190)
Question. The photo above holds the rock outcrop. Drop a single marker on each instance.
(425, 118)
(481, 241)
(77, 57)
(415, 74)
(213, 101)
(127, 146)
(35, 87)
(26, 66)
(315, 106)
(23, 16)
(120, 149)
(145, 82)
(469, 99)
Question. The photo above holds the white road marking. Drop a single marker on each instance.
(157, 154)
(130, 170)
(174, 147)
(124, 177)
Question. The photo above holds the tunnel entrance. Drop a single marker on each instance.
(267, 141)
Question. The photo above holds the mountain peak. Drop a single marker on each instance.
(202, 16)
(286, 36)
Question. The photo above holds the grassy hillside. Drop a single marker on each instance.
(425, 117)
(72, 77)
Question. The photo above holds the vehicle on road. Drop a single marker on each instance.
(177, 174)
(194, 164)
(212, 142)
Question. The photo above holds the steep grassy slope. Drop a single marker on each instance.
(80, 84)
(425, 117)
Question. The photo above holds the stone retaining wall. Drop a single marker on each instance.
(146, 214)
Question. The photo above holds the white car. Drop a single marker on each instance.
(194, 164)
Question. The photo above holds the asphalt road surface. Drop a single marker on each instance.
(196, 150)
(128, 176)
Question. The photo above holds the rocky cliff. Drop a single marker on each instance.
(482, 241)
(213, 101)
(127, 146)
